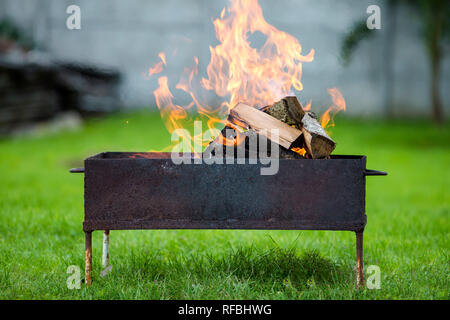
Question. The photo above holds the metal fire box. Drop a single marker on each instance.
(149, 191)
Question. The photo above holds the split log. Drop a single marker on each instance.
(252, 118)
(246, 138)
(318, 144)
(287, 110)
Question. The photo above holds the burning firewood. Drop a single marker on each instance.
(244, 141)
(287, 110)
(252, 118)
(296, 128)
(318, 144)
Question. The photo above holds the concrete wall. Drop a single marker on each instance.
(129, 34)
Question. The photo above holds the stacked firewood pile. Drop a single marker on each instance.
(31, 92)
(26, 94)
(300, 135)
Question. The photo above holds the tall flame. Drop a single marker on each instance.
(257, 77)
(237, 72)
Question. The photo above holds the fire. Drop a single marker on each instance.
(300, 151)
(171, 114)
(158, 68)
(256, 77)
(308, 106)
(327, 119)
(237, 72)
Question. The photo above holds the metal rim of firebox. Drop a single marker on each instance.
(109, 155)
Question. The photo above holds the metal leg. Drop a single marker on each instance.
(359, 260)
(105, 256)
(88, 258)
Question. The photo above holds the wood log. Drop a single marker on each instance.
(287, 110)
(252, 118)
(218, 148)
(317, 142)
(250, 136)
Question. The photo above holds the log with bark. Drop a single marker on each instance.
(297, 129)
(317, 142)
(287, 110)
(262, 123)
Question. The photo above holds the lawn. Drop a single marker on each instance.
(407, 235)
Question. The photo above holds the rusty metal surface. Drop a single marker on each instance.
(148, 191)
(88, 258)
(359, 260)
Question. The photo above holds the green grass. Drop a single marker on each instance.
(41, 214)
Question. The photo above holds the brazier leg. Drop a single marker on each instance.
(88, 258)
(359, 260)
(105, 256)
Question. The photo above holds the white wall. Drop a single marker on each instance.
(128, 34)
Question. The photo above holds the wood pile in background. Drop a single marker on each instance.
(33, 92)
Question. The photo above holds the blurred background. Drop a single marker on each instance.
(102, 67)
(68, 94)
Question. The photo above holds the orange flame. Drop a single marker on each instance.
(308, 106)
(300, 151)
(170, 113)
(339, 104)
(158, 68)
